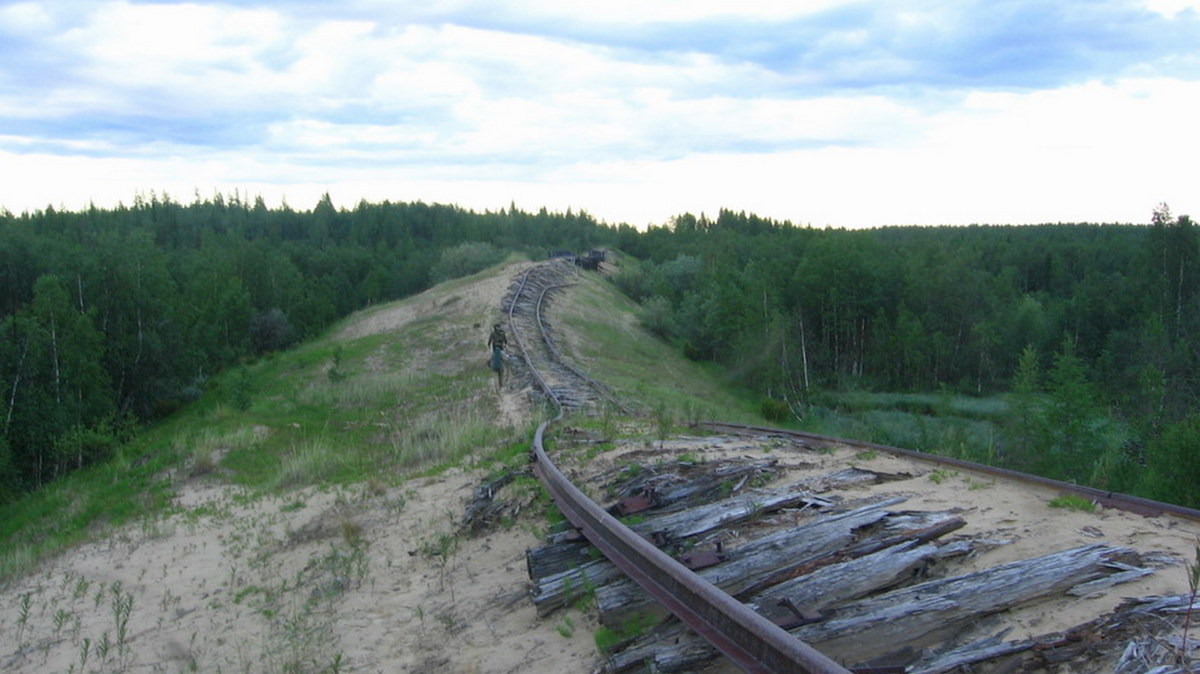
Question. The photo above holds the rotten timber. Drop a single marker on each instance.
(557, 578)
(869, 631)
(684, 484)
(780, 555)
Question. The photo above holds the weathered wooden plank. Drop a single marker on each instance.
(678, 485)
(912, 617)
(548, 560)
(892, 529)
(557, 590)
(973, 653)
(701, 519)
(812, 593)
(548, 591)
(1125, 573)
(923, 614)
(747, 563)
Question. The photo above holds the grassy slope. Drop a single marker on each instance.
(338, 410)
(602, 334)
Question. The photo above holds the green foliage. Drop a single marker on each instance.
(1023, 427)
(130, 311)
(465, 259)
(1072, 502)
(774, 410)
(608, 638)
(271, 330)
(941, 475)
(1172, 466)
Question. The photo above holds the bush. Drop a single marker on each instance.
(1172, 469)
(656, 316)
(82, 446)
(465, 259)
(774, 410)
(271, 331)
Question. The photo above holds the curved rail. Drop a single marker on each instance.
(541, 382)
(747, 638)
(1108, 499)
(512, 329)
(751, 641)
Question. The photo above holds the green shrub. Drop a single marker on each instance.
(1073, 502)
(465, 259)
(774, 410)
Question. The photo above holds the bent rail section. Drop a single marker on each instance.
(1108, 499)
(748, 639)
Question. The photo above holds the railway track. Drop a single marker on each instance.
(756, 644)
(748, 639)
(1107, 499)
(566, 386)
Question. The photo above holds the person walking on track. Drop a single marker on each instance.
(498, 341)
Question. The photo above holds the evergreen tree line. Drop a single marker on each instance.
(109, 317)
(114, 317)
(1088, 323)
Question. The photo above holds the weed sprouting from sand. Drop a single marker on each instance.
(122, 607)
(61, 616)
(1073, 502)
(81, 588)
(664, 422)
(23, 606)
(85, 649)
(941, 475)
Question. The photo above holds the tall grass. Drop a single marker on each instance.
(604, 337)
(447, 436)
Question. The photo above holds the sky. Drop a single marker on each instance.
(836, 113)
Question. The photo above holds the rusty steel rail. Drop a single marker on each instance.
(512, 329)
(748, 639)
(1108, 499)
(751, 641)
(595, 385)
(551, 347)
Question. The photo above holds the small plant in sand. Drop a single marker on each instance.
(336, 374)
(376, 486)
(940, 475)
(351, 530)
(122, 607)
(607, 638)
(663, 423)
(1073, 502)
(23, 606)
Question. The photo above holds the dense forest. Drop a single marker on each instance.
(1085, 325)
(110, 318)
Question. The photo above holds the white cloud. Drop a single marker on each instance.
(1170, 8)
(25, 17)
(446, 101)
